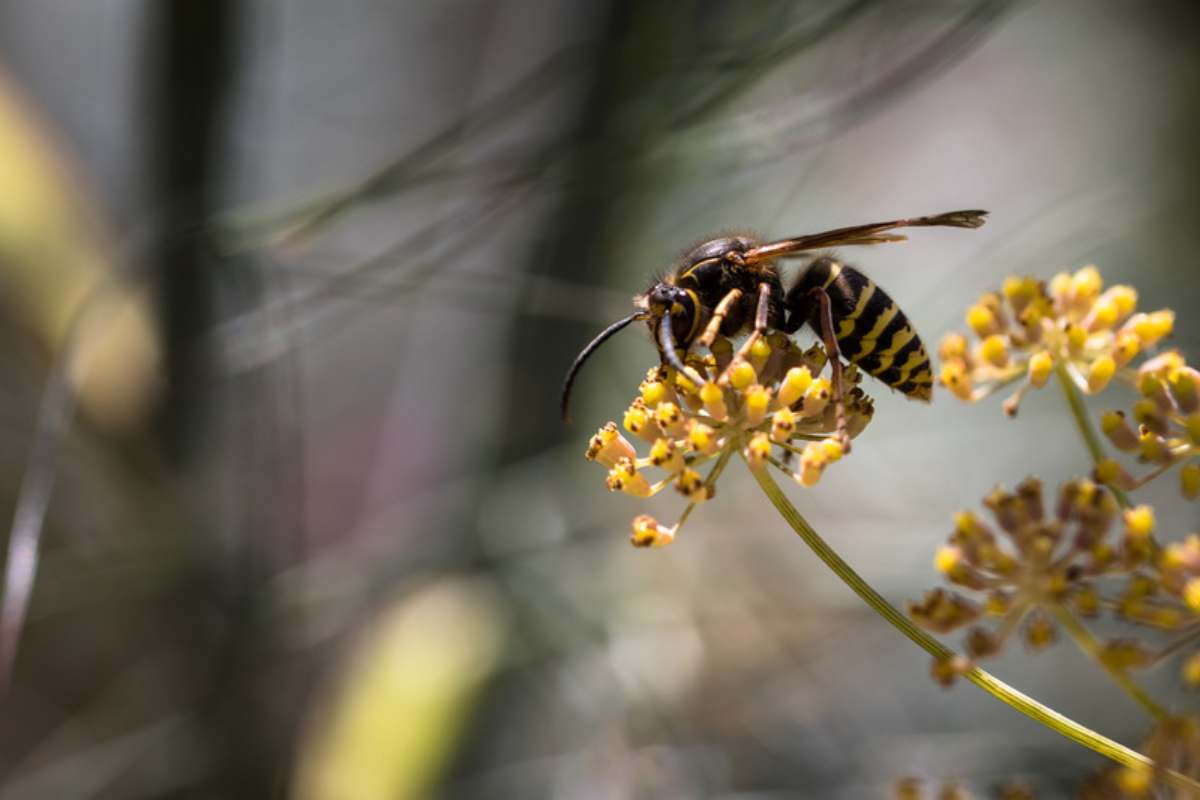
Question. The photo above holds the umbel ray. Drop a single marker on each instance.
(732, 284)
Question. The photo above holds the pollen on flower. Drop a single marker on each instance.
(624, 477)
(608, 446)
(666, 455)
(670, 418)
(691, 485)
(655, 392)
(783, 425)
(648, 533)
(702, 439)
(817, 397)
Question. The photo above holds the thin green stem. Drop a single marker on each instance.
(990, 684)
(1084, 424)
(1089, 645)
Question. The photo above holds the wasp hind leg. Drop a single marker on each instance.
(835, 363)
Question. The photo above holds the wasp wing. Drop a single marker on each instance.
(874, 233)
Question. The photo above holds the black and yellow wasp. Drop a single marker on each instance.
(726, 285)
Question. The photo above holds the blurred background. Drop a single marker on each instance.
(287, 290)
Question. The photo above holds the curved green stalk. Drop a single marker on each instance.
(1088, 644)
(1084, 424)
(990, 684)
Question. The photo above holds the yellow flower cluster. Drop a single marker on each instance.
(774, 401)
(1028, 330)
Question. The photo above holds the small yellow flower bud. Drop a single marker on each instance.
(955, 378)
(1100, 373)
(758, 449)
(684, 384)
(1116, 428)
(742, 375)
(1104, 315)
(953, 347)
(1076, 338)
(1139, 521)
(817, 397)
(1087, 601)
(714, 401)
(1190, 670)
(670, 418)
(994, 350)
(1151, 328)
(1185, 388)
(702, 439)
(1191, 594)
(655, 392)
(1134, 781)
(1086, 283)
(757, 397)
(981, 320)
(624, 477)
(1126, 347)
(761, 349)
(832, 450)
(638, 421)
(1060, 287)
(608, 446)
(665, 454)
(794, 385)
(1020, 291)
(648, 533)
(691, 485)
(783, 424)
(1041, 364)
(1039, 632)
(1153, 448)
(1189, 481)
(947, 560)
(1124, 297)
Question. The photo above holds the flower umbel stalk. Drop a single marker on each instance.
(1084, 424)
(984, 680)
(1088, 644)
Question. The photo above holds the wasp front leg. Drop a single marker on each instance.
(718, 318)
(762, 321)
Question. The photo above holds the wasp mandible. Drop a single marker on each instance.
(732, 284)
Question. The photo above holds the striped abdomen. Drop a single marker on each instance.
(871, 330)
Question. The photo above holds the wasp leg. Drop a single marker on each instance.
(666, 344)
(835, 364)
(762, 315)
(719, 313)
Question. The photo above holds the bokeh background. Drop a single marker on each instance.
(287, 290)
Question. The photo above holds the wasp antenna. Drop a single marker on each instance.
(592, 346)
(666, 341)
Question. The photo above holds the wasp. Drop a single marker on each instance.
(731, 285)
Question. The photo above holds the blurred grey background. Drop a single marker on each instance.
(372, 236)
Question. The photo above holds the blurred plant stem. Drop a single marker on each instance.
(1094, 650)
(1084, 424)
(984, 680)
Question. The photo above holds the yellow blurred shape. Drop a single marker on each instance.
(396, 716)
(58, 278)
